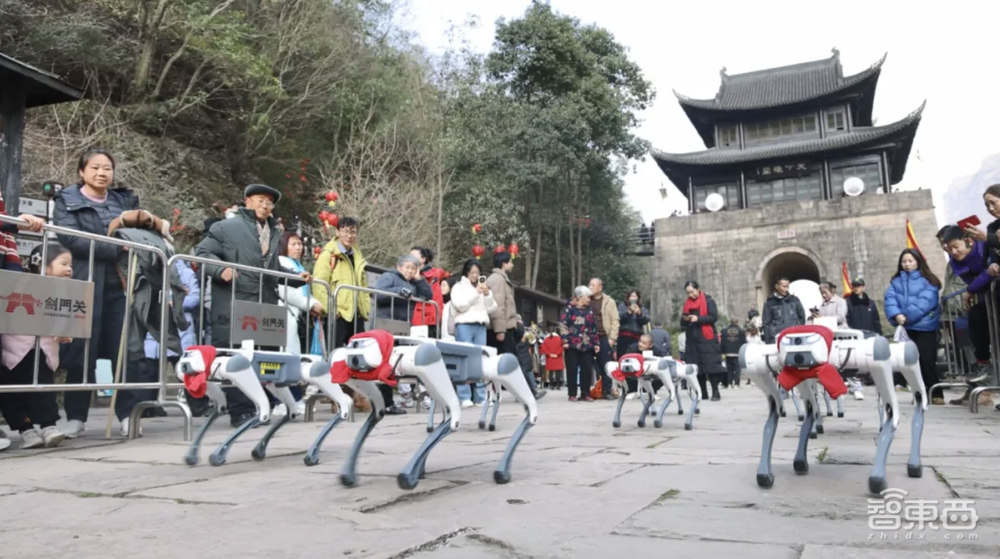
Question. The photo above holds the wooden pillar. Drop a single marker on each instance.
(885, 173)
(743, 191)
(690, 195)
(12, 101)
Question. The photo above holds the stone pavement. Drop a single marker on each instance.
(580, 489)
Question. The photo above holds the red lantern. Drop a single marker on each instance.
(333, 220)
(478, 251)
(477, 229)
(332, 196)
(324, 215)
(514, 250)
(499, 249)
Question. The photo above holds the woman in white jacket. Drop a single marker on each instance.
(471, 305)
(298, 300)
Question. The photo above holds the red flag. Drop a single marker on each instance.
(911, 240)
(847, 280)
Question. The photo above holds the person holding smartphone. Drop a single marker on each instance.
(472, 302)
(698, 318)
(632, 325)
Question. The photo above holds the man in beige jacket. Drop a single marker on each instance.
(503, 321)
(606, 313)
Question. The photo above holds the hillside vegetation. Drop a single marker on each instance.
(200, 97)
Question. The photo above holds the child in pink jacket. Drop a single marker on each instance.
(23, 411)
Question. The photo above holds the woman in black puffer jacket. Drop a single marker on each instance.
(633, 320)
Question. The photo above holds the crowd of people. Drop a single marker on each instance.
(474, 306)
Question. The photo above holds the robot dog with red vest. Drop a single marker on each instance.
(809, 355)
(376, 356)
(204, 369)
(645, 369)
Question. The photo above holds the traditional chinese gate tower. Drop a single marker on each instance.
(781, 144)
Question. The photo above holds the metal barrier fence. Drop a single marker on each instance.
(954, 356)
(277, 334)
(25, 298)
(373, 295)
(992, 317)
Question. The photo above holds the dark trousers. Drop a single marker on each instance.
(732, 371)
(139, 370)
(979, 331)
(104, 342)
(604, 356)
(584, 360)
(927, 344)
(509, 345)
(23, 411)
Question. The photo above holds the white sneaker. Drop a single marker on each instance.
(478, 404)
(125, 424)
(631, 396)
(31, 439)
(300, 407)
(427, 401)
(279, 411)
(858, 395)
(656, 398)
(467, 404)
(52, 436)
(74, 428)
(4, 442)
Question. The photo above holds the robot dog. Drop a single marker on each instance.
(376, 356)
(806, 355)
(203, 369)
(645, 370)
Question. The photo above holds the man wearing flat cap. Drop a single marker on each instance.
(249, 239)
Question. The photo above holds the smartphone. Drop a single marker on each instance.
(482, 280)
(971, 220)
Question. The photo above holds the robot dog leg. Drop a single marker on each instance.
(689, 374)
(319, 376)
(754, 363)
(195, 370)
(612, 369)
(426, 363)
(905, 359)
(647, 395)
(665, 370)
(368, 389)
(505, 371)
(808, 431)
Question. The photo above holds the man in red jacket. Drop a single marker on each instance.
(427, 315)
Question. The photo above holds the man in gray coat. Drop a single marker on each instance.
(250, 239)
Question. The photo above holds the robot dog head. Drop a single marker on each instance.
(805, 347)
(363, 355)
(631, 364)
(193, 368)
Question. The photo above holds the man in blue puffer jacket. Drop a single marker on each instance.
(912, 302)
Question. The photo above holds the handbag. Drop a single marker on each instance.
(900, 335)
(318, 344)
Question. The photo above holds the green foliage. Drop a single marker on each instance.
(199, 97)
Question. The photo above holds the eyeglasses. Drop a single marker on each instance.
(349, 232)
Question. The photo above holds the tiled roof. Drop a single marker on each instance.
(858, 137)
(786, 85)
(43, 88)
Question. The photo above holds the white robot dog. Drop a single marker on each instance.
(805, 355)
(203, 369)
(646, 369)
(376, 356)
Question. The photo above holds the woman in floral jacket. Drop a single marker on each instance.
(580, 339)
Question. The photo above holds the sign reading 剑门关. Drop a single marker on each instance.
(265, 324)
(34, 305)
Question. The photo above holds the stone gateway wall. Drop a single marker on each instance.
(732, 254)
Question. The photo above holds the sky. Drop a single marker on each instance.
(945, 53)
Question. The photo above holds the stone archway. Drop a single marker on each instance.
(795, 263)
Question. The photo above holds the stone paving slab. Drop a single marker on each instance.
(580, 489)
